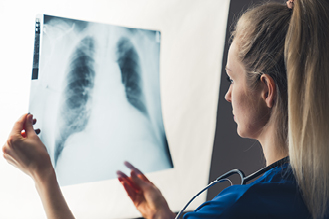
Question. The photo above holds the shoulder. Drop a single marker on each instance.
(274, 195)
(269, 199)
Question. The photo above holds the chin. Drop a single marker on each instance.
(247, 133)
(242, 133)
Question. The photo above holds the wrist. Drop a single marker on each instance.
(50, 193)
(45, 180)
(44, 172)
(164, 214)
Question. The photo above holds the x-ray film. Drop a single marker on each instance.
(96, 95)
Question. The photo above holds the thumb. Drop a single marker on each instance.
(19, 126)
(29, 130)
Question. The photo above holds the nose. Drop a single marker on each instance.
(228, 95)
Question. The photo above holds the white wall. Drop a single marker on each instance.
(193, 35)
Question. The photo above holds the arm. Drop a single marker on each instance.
(24, 150)
(146, 197)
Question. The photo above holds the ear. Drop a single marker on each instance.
(268, 89)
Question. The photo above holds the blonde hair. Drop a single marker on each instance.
(260, 34)
(292, 46)
(307, 61)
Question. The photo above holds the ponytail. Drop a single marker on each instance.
(307, 63)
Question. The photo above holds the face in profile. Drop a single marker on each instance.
(248, 107)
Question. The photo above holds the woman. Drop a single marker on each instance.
(264, 39)
(277, 66)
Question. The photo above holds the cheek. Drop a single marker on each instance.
(247, 123)
(249, 115)
(239, 103)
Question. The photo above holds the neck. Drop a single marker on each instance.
(273, 149)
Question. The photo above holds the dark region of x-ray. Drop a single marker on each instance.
(128, 61)
(96, 94)
(75, 109)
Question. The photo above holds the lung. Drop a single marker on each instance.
(98, 99)
(128, 61)
(76, 108)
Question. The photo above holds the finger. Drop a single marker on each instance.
(23, 133)
(125, 178)
(130, 192)
(19, 126)
(29, 130)
(139, 173)
(136, 179)
(121, 174)
(129, 165)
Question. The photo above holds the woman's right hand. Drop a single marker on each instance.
(146, 197)
(25, 151)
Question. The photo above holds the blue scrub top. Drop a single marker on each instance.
(274, 195)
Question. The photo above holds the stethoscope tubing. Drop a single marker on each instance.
(244, 179)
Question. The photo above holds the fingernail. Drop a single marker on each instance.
(129, 165)
(31, 118)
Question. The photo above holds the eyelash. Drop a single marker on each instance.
(229, 80)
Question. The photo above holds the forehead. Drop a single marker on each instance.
(233, 61)
(233, 50)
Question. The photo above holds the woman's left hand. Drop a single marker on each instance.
(146, 197)
(25, 150)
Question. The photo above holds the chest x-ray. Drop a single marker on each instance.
(96, 94)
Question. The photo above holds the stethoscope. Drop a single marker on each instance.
(244, 179)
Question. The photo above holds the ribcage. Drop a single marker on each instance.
(75, 110)
(128, 61)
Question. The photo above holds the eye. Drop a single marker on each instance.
(229, 80)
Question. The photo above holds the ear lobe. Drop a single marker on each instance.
(268, 89)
